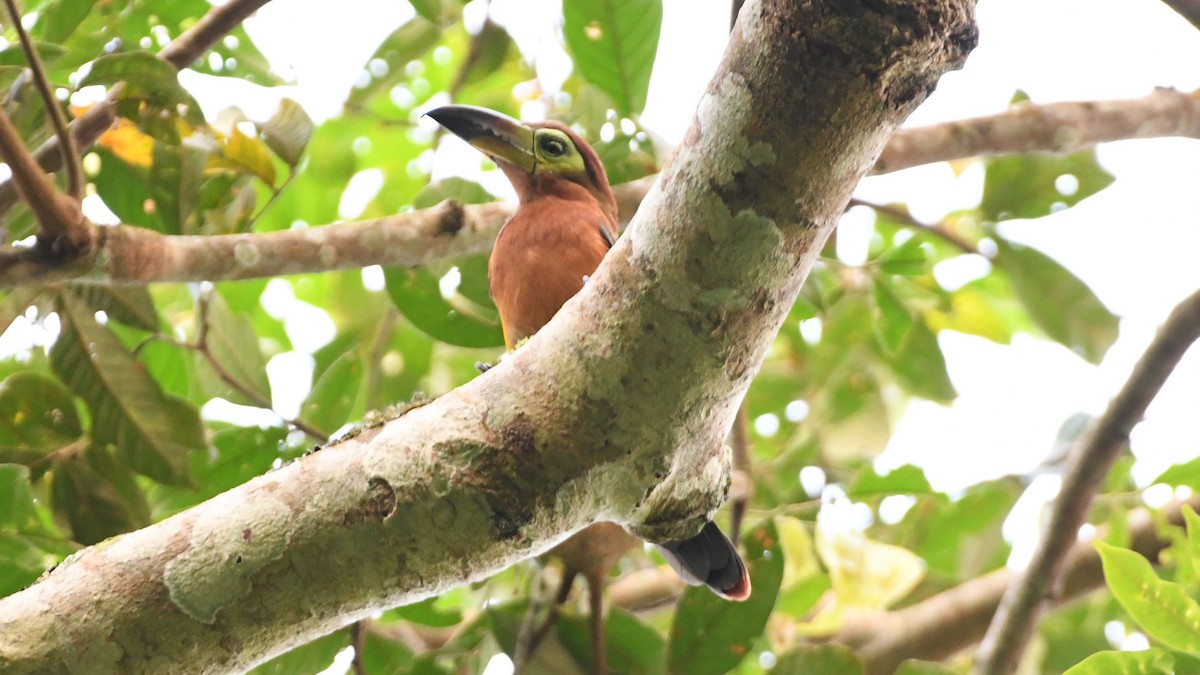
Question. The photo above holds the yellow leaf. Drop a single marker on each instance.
(245, 154)
(128, 143)
(801, 559)
(863, 574)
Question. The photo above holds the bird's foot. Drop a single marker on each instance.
(483, 367)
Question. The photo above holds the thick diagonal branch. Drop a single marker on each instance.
(617, 409)
(1087, 466)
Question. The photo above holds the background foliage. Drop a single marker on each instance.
(101, 429)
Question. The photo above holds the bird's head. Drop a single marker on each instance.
(542, 158)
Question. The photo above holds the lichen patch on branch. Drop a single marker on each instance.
(215, 569)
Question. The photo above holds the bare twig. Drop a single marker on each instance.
(192, 44)
(1188, 9)
(62, 229)
(201, 347)
(70, 154)
(743, 473)
(902, 215)
(358, 640)
(1089, 462)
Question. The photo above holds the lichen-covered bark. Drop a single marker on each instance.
(617, 409)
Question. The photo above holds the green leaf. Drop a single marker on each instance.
(1023, 186)
(124, 189)
(909, 259)
(818, 660)
(631, 646)
(407, 43)
(460, 190)
(21, 562)
(416, 294)
(153, 432)
(894, 322)
(921, 367)
(427, 613)
(431, 10)
(907, 479)
(1186, 473)
(37, 410)
(1058, 301)
(147, 78)
(16, 496)
(1148, 662)
(711, 635)
(961, 539)
(131, 305)
(1161, 608)
(15, 302)
(233, 344)
(613, 43)
(307, 659)
(95, 500)
(176, 177)
(61, 18)
(288, 131)
(332, 397)
(239, 454)
(381, 656)
(1193, 533)
(14, 55)
(486, 54)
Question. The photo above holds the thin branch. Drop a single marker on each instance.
(129, 254)
(1053, 127)
(743, 473)
(955, 619)
(62, 229)
(275, 194)
(1188, 9)
(939, 230)
(1087, 466)
(70, 154)
(179, 53)
(358, 640)
(192, 44)
(201, 348)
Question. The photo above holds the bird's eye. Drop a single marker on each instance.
(553, 147)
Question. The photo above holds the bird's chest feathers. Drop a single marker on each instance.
(540, 260)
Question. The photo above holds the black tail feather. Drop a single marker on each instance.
(709, 558)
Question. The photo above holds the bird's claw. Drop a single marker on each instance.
(483, 367)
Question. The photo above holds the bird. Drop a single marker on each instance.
(564, 225)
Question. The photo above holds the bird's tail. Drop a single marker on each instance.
(709, 558)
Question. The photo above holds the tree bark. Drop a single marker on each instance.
(617, 409)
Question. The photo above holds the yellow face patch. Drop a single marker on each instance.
(556, 153)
